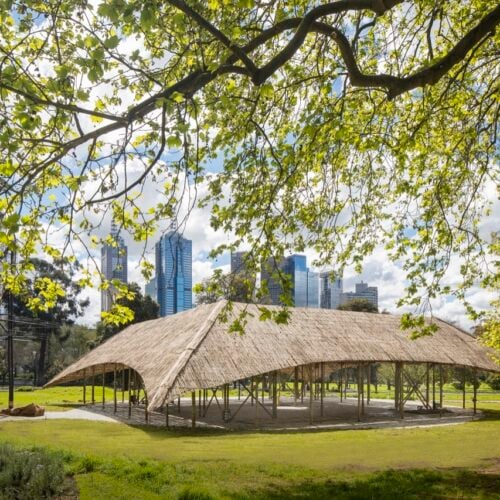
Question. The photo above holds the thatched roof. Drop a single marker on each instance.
(194, 350)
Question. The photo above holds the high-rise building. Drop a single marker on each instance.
(238, 262)
(331, 289)
(363, 291)
(172, 285)
(113, 265)
(304, 283)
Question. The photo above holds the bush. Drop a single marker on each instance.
(30, 474)
(25, 388)
(494, 382)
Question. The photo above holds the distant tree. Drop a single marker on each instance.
(143, 307)
(237, 287)
(360, 305)
(57, 279)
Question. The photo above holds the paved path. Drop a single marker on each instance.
(75, 414)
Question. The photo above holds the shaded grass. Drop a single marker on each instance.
(54, 398)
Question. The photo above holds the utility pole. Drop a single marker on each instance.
(10, 337)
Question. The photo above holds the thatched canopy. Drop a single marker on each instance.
(194, 350)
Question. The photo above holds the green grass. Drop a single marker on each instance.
(54, 398)
(112, 461)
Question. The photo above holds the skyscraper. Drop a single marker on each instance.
(113, 266)
(238, 262)
(304, 283)
(363, 291)
(173, 279)
(330, 290)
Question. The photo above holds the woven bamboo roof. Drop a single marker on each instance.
(194, 350)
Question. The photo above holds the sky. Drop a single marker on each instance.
(378, 270)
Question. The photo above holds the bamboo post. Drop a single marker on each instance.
(341, 372)
(167, 424)
(362, 370)
(255, 383)
(427, 382)
(368, 383)
(123, 385)
(463, 386)
(322, 388)
(146, 412)
(302, 388)
(84, 387)
(199, 403)
(239, 390)
(474, 400)
(93, 386)
(179, 405)
(359, 392)
(396, 386)
(103, 385)
(193, 409)
(440, 390)
(129, 392)
(204, 402)
(252, 391)
(296, 385)
(275, 394)
(262, 392)
(114, 390)
(433, 386)
(401, 392)
(311, 393)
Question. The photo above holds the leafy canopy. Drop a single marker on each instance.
(341, 125)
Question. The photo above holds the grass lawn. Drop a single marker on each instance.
(112, 461)
(54, 398)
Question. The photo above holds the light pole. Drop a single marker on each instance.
(10, 337)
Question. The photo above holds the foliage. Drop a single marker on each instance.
(341, 126)
(237, 287)
(30, 474)
(494, 382)
(361, 305)
(143, 307)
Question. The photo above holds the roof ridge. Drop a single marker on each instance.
(170, 378)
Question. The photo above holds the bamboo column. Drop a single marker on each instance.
(362, 370)
(193, 409)
(440, 390)
(359, 392)
(341, 372)
(322, 388)
(401, 391)
(167, 424)
(93, 386)
(368, 383)
(427, 386)
(146, 412)
(103, 385)
(474, 400)
(275, 394)
(179, 405)
(199, 403)
(129, 392)
(311, 393)
(252, 391)
(114, 390)
(84, 387)
(302, 387)
(396, 386)
(255, 384)
(296, 385)
(463, 386)
(433, 386)
(123, 385)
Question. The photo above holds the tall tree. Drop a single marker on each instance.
(342, 125)
(55, 285)
(143, 308)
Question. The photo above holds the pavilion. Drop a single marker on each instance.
(194, 353)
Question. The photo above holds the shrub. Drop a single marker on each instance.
(25, 388)
(494, 382)
(30, 474)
